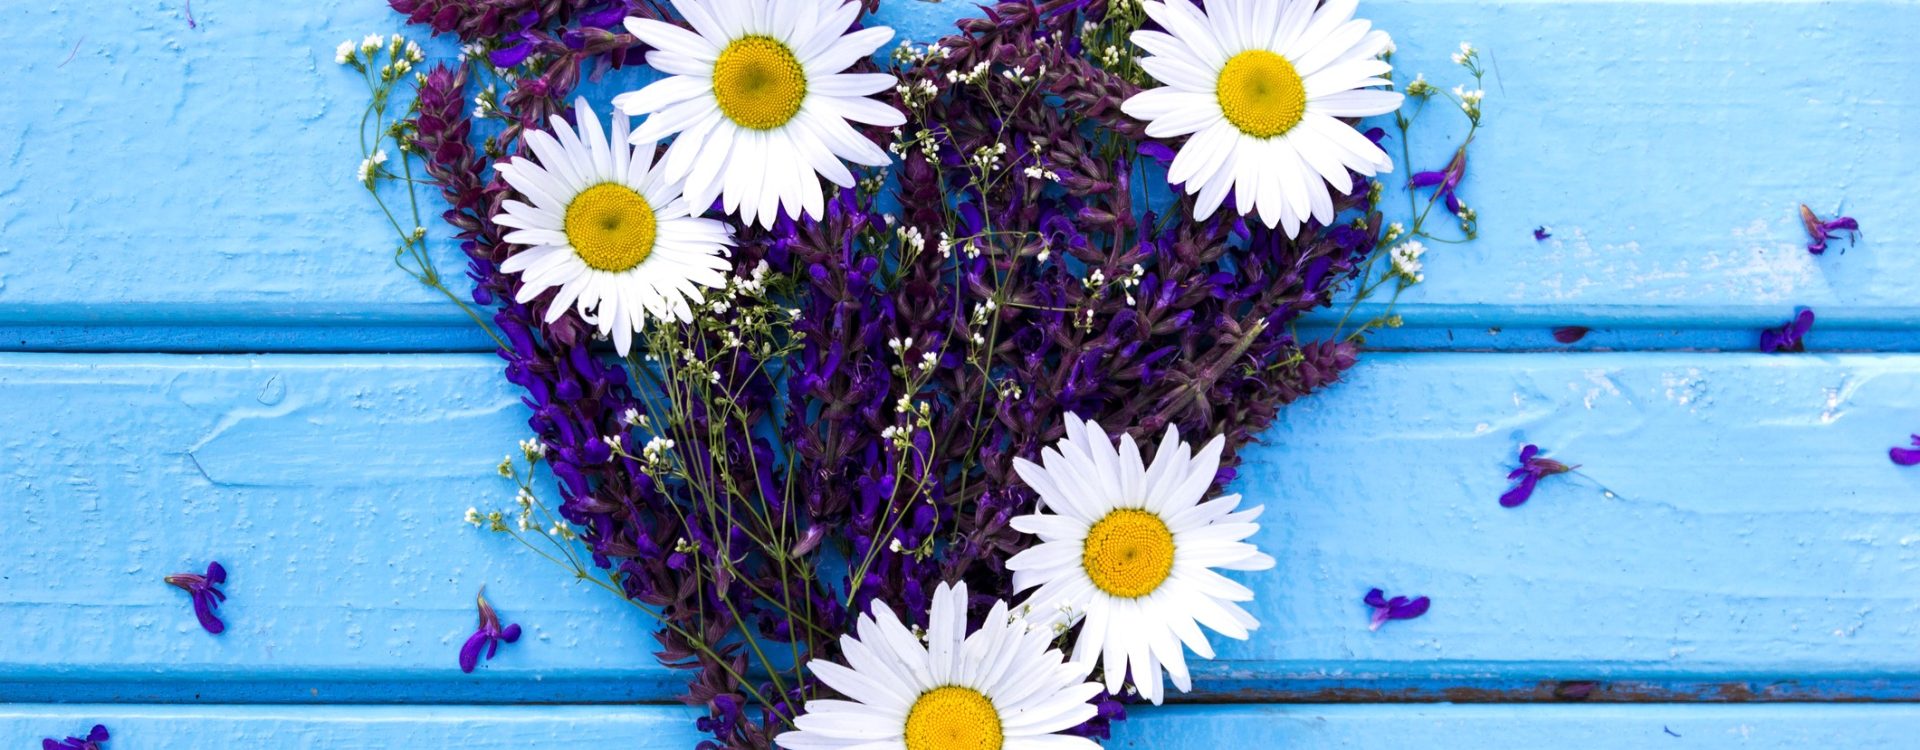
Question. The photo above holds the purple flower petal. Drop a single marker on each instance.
(1570, 334)
(470, 652)
(1518, 496)
(1541, 233)
(1411, 609)
(1428, 179)
(1906, 456)
(203, 605)
(216, 573)
(1376, 598)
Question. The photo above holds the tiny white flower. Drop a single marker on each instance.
(371, 43)
(345, 52)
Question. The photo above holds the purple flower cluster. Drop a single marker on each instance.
(1032, 294)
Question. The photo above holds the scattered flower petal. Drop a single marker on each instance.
(1790, 337)
(488, 636)
(1397, 608)
(1906, 456)
(92, 741)
(1445, 181)
(1532, 469)
(206, 598)
(1570, 334)
(1820, 230)
(1541, 233)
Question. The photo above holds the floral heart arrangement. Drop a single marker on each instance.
(841, 368)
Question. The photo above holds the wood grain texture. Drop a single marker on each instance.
(1264, 726)
(178, 188)
(1760, 546)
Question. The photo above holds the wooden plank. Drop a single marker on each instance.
(1303, 727)
(1760, 546)
(199, 202)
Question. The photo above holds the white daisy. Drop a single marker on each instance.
(1260, 86)
(1131, 549)
(756, 93)
(1004, 686)
(608, 228)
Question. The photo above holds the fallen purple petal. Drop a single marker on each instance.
(1820, 230)
(206, 597)
(1906, 456)
(1790, 337)
(1570, 334)
(1397, 608)
(1541, 233)
(489, 635)
(92, 741)
(1532, 469)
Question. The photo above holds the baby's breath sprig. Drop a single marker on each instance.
(1400, 244)
(387, 64)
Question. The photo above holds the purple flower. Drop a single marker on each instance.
(92, 741)
(206, 598)
(525, 42)
(1906, 456)
(1445, 181)
(1397, 608)
(1570, 334)
(1818, 231)
(1789, 337)
(489, 636)
(1541, 233)
(1532, 469)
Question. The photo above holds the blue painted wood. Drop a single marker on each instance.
(1759, 535)
(1260, 726)
(161, 178)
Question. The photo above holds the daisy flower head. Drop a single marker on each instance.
(757, 96)
(1260, 86)
(1130, 549)
(1003, 686)
(602, 222)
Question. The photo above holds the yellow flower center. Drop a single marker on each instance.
(611, 227)
(759, 83)
(1129, 553)
(1261, 93)
(953, 718)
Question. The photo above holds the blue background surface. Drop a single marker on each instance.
(204, 350)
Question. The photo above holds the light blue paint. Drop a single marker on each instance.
(1794, 727)
(174, 177)
(1761, 533)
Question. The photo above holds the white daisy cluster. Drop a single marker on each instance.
(758, 102)
(1262, 89)
(1129, 550)
(1405, 258)
(1001, 686)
